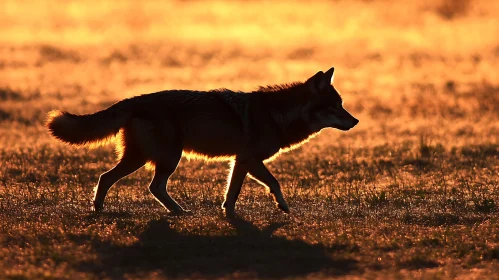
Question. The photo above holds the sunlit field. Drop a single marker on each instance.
(411, 192)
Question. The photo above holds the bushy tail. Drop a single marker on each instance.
(92, 129)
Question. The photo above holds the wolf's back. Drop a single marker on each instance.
(89, 129)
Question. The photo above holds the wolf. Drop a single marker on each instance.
(247, 129)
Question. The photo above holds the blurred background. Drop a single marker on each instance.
(410, 63)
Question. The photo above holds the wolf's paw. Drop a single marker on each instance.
(284, 207)
(228, 206)
(180, 212)
(97, 207)
(229, 212)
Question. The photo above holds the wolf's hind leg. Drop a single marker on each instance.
(158, 186)
(126, 166)
(236, 179)
(259, 172)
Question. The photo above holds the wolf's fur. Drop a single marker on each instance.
(246, 128)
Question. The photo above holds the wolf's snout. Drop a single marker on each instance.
(355, 122)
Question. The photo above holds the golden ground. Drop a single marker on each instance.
(412, 191)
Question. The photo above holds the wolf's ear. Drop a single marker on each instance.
(330, 75)
(318, 82)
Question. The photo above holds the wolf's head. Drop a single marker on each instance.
(325, 107)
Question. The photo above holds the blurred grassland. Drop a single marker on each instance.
(412, 191)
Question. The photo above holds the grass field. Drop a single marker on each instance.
(411, 192)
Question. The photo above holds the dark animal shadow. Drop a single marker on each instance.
(251, 252)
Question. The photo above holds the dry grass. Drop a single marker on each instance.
(412, 191)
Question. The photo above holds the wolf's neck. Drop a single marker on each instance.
(295, 133)
(285, 106)
(292, 126)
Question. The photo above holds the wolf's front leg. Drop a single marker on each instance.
(258, 171)
(236, 177)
